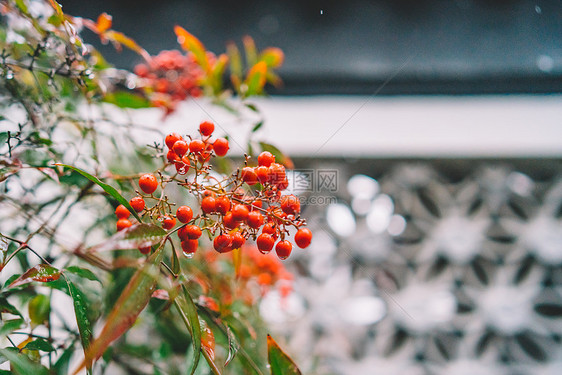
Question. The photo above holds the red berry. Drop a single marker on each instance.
(276, 173)
(222, 204)
(282, 185)
(189, 246)
(265, 159)
(180, 148)
(240, 212)
(206, 128)
(255, 219)
(283, 249)
(263, 174)
(145, 250)
(220, 146)
(168, 222)
(265, 243)
(237, 240)
(137, 203)
(208, 205)
(123, 223)
(269, 228)
(184, 214)
(185, 160)
(238, 193)
(172, 157)
(290, 204)
(223, 243)
(122, 212)
(193, 232)
(249, 176)
(182, 234)
(196, 146)
(148, 183)
(181, 167)
(256, 204)
(303, 237)
(171, 139)
(229, 221)
(208, 193)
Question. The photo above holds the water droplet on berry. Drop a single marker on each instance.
(189, 255)
(282, 257)
(264, 251)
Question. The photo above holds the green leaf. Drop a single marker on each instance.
(83, 272)
(42, 272)
(10, 325)
(175, 262)
(22, 6)
(138, 235)
(256, 79)
(188, 312)
(107, 188)
(252, 107)
(250, 49)
(62, 363)
(233, 345)
(123, 99)
(22, 365)
(127, 308)
(272, 56)
(280, 157)
(7, 307)
(11, 279)
(281, 363)
(81, 312)
(3, 137)
(217, 71)
(257, 126)
(39, 309)
(40, 344)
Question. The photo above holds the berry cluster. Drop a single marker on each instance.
(249, 204)
(171, 74)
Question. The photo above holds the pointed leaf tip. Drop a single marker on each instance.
(279, 361)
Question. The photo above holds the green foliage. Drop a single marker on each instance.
(48, 74)
(280, 362)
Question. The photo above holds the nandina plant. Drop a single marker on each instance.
(164, 249)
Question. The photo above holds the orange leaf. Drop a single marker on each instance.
(207, 339)
(118, 38)
(191, 44)
(256, 78)
(272, 56)
(104, 22)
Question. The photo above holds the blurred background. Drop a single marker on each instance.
(427, 142)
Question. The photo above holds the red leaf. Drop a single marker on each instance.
(42, 273)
